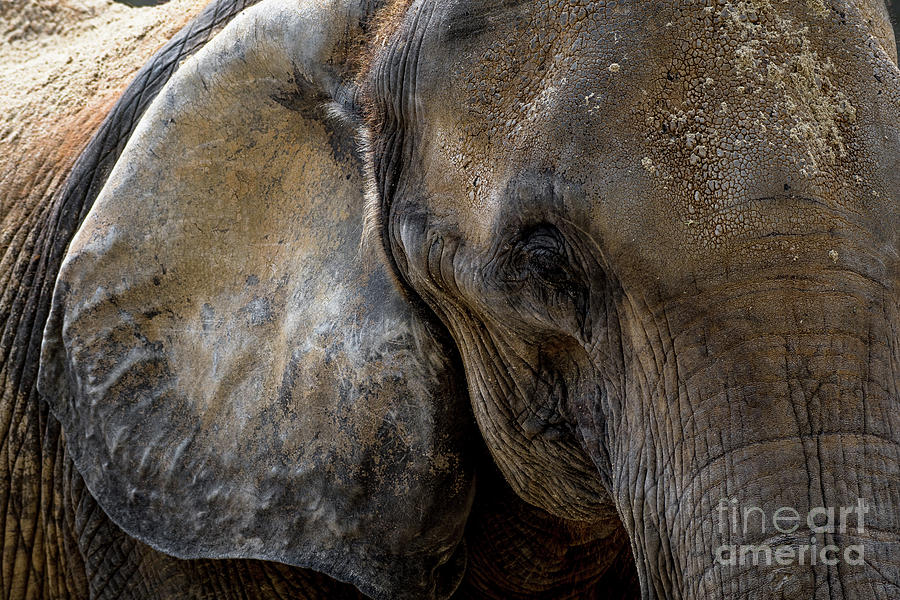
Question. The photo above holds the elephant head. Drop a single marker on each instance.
(652, 246)
(664, 237)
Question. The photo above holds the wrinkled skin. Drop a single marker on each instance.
(57, 542)
(670, 267)
(666, 275)
(61, 543)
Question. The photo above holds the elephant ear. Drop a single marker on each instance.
(233, 377)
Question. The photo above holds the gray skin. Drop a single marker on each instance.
(359, 463)
(664, 237)
(655, 242)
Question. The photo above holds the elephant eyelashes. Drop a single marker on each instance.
(545, 280)
(543, 276)
(542, 253)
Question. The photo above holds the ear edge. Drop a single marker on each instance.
(59, 378)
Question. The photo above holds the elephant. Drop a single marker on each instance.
(416, 300)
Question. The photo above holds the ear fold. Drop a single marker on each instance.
(233, 378)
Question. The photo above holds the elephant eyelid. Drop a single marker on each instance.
(542, 251)
(543, 237)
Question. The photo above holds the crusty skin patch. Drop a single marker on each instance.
(774, 86)
(776, 51)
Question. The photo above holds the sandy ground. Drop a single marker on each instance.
(58, 56)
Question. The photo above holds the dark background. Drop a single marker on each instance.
(894, 7)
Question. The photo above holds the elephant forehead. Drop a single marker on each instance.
(705, 127)
(764, 105)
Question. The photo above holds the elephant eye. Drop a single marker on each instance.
(542, 276)
(546, 255)
(542, 253)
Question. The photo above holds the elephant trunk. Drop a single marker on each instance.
(763, 459)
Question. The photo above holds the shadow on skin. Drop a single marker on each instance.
(894, 7)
